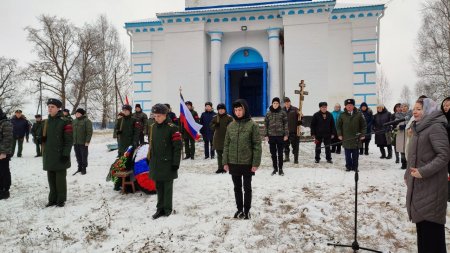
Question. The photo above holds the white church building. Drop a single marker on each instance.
(221, 50)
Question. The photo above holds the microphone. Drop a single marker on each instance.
(394, 122)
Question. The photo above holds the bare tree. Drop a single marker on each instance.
(433, 68)
(406, 95)
(85, 70)
(10, 80)
(112, 65)
(383, 87)
(55, 45)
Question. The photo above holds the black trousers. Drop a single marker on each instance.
(81, 152)
(327, 142)
(430, 237)
(141, 138)
(189, 146)
(276, 144)
(336, 148)
(208, 147)
(243, 202)
(5, 175)
(293, 141)
(365, 147)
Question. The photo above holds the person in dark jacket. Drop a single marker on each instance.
(206, 131)
(189, 141)
(172, 116)
(127, 129)
(6, 142)
(351, 127)
(219, 125)
(36, 131)
(165, 155)
(57, 141)
(66, 113)
(293, 122)
(336, 147)
(445, 107)
(21, 131)
(82, 134)
(368, 116)
(397, 112)
(142, 118)
(277, 134)
(323, 130)
(383, 136)
(242, 155)
(426, 176)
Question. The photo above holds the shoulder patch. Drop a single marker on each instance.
(68, 128)
(176, 136)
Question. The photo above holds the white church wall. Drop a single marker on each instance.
(306, 58)
(340, 64)
(142, 71)
(200, 3)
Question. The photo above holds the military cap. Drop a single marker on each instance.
(160, 109)
(55, 102)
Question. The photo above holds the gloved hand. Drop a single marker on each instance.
(174, 167)
(64, 159)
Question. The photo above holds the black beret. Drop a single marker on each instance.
(323, 104)
(127, 107)
(221, 106)
(349, 101)
(81, 111)
(160, 109)
(55, 102)
(208, 103)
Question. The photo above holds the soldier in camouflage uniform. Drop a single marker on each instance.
(293, 122)
(219, 125)
(277, 134)
(127, 130)
(82, 134)
(142, 118)
(165, 155)
(57, 141)
(36, 132)
(6, 142)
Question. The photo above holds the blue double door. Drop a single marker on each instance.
(249, 82)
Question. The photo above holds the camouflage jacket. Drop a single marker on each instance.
(6, 136)
(276, 122)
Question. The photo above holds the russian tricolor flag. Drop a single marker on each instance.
(189, 124)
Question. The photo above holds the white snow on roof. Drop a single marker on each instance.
(343, 4)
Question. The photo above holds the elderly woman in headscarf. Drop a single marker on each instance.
(426, 178)
(400, 137)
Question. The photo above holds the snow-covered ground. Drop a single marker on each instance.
(309, 207)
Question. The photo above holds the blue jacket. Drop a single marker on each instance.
(205, 121)
(336, 116)
(21, 127)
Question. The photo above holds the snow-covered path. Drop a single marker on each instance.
(300, 212)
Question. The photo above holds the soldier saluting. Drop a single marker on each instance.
(57, 141)
(164, 154)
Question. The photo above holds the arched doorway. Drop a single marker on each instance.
(246, 78)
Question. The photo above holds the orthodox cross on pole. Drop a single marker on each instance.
(302, 93)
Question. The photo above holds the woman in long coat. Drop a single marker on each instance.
(426, 178)
(400, 137)
(382, 133)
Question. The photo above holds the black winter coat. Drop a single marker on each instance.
(205, 121)
(323, 126)
(368, 116)
(21, 127)
(382, 133)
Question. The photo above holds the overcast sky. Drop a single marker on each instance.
(399, 28)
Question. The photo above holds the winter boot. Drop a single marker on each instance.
(274, 172)
(389, 148)
(286, 158)
(361, 151)
(159, 213)
(397, 157)
(403, 164)
(275, 165)
(383, 153)
(238, 215)
(281, 173)
(247, 216)
(366, 149)
(2, 194)
(295, 159)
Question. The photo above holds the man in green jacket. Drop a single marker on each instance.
(57, 141)
(127, 130)
(82, 134)
(142, 118)
(219, 125)
(36, 132)
(6, 142)
(165, 155)
(242, 155)
(351, 129)
(189, 142)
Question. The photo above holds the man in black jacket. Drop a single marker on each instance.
(323, 130)
(21, 131)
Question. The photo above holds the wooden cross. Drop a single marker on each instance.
(302, 93)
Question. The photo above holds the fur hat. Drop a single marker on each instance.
(137, 106)
(127, 107)
(188, 103)
(66, 110)
(276, 99)
(160, 109)
(168, 106)
(349, 101)
(55, 102)
(221, 106)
